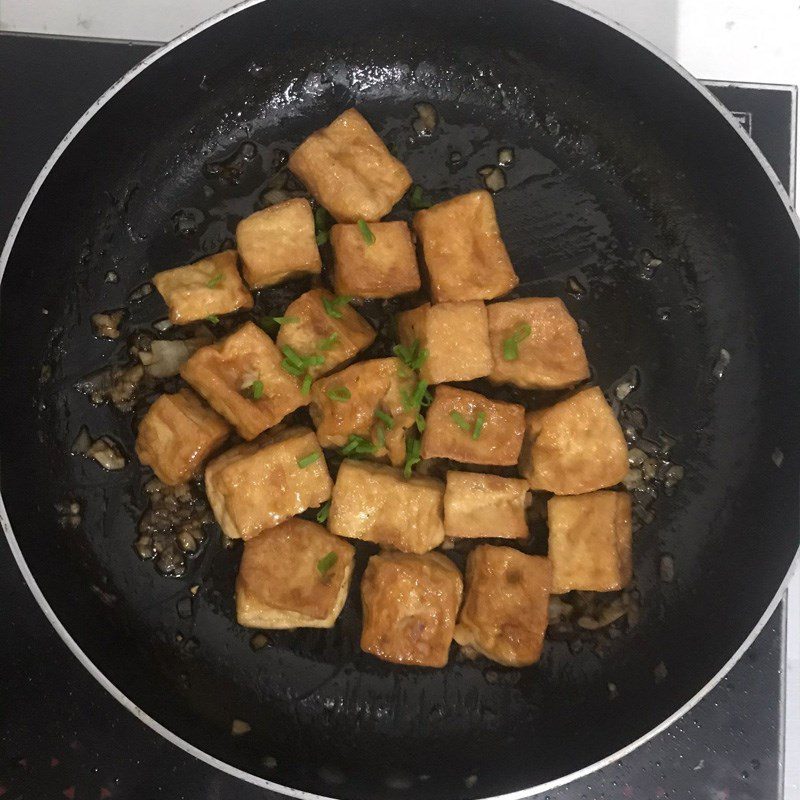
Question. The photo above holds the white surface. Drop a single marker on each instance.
(735, 40)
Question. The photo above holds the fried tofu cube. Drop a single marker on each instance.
(547, 351)
(385, 268)
(456, 336)
(278, 243)
(504, 616)
(258, 485)
(575, 446)
(478, 505)
(589, 541)
(209, 287)
(464, 254)
(177, 434)
(295, 575)
(349, 170)
(375, 503)
(469, 427)
(241, 378)
(410, 605)
(337, 334)
(352, 402)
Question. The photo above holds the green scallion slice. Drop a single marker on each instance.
(307, 461)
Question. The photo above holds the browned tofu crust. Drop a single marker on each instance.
(278, 243)
(375, 503)
(456, 336)
(338, 338)
(385, 268)
(210, 286)
(177, 434)
(575, 446)
(505, 607)
(464, 253)
(223, 373)
(410, 604)
(347, 402)
(590, 541)
(258, 485)
(294, 575)
(478, 505)
(498, 442)
(551, 357)
(349, 170)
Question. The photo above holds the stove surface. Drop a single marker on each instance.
(62, 736)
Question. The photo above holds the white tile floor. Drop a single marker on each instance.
(738, 40)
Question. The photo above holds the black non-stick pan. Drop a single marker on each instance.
(631, 195)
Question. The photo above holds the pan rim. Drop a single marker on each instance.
(117, 693)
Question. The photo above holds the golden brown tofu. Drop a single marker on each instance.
(258, 485)
(209, 287)
(589, 541)
(468, 427)
(177, 434)
(478, 505)
(385, 268)
(241, 378)
(337, 334)
(352, 402)
(410, 605)
(575, 446)
(349, 170)
(536, 344)
(505, 607)
(375, 503)
(278, 243)
(456, 336)
(464, 254)
(295, 575)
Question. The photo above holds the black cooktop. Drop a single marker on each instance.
(62, 736)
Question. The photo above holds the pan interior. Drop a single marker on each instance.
(618, 164)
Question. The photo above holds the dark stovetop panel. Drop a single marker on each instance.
(63, 736)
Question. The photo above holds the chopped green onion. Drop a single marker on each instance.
(427, 399)
(314, 360)
(306, 386)
(291, 368)
(511, 345)
(380, 436)
(293, 357)
(326, 562)
(328, 342)
(286, 320)
(385, 419)
(257, 389)
(417, 200)
(341, 394)
(268, 324)
(411, 355)
(332, 306)
(213, 319)
(307, 461)
(419, 394)
(322, 224)
(322, 514)
(459, 420)
(215, 280)
(479, 423)
(366, 233)
(413, 447)
(420, 423)
(358, 445)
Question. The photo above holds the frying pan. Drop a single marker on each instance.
(629, 182)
